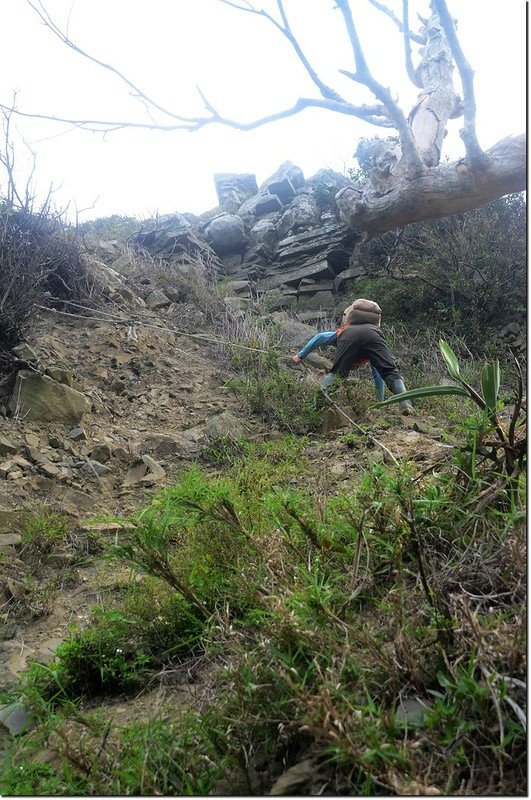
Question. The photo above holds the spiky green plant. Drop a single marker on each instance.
(511, 439)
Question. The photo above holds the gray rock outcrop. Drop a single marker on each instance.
(284, 239)
(233, 189)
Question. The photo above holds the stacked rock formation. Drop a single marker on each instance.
(283, 238)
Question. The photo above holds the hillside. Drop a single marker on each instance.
(158, 394)
(216, 580)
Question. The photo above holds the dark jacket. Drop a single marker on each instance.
(356, 342)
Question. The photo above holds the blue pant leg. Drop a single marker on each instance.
(379, 383)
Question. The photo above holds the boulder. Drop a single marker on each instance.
(157, 299)
(6, 467)
(237, 287)
(262, 203)
(7, 447)
(259, 256)
(147, 471)
(293, 334)
(284, 182)
(263, 232)
(46, 652)
(224, 426)
(282, 299)
(135, 474)
(9, 540)
(123, 262)
(164, 445)
(38, 397)
(101, 453)
(91, 469)
(233, 190)
(16, 717)
(316, 270)
(333, 419)
(50, 470)
(25, 353)
(309, 287)
(346, 275)
(320, 361)
(14, 655)
(319, 300)
(155, 469)
(230, 264)
(300, 215)
(71, 500)
(61, 375)
(226, 234)
(76, 434)
(233, 304)
(296, 779)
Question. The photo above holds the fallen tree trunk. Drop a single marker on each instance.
(438, 191)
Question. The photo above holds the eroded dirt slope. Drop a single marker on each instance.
(157, 398)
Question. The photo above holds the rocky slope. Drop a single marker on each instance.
(152, 400)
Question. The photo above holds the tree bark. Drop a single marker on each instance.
(438, 100)
(441, 191)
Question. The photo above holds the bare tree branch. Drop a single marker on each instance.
(285, 30)
(413, 77)
(474, 153)
(400, 24)
(63, 37)
(363, 75)
(7, 160)
(375, 115)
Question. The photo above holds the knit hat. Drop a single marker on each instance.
(361, 312)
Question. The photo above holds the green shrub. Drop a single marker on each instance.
(278, 396)
(45, 531)
(464, 275)
(120, 646)
(319, 616)
(114, 227)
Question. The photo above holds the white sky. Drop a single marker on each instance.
(245, 68)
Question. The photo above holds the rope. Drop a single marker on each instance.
(369, 436)
(131, 322)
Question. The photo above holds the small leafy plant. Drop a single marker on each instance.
(511, 439)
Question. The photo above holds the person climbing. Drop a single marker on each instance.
(359, 341)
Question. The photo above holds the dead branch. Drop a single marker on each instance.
(400, 24)
(7, 160)
(474, 154)
(376, 114)
(43, 14)
(285, 30)
(406, 36)
(363, 75)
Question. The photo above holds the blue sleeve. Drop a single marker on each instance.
(323, 339)
(379, 383)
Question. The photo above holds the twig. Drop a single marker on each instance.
(369, 436)
(416, 546)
